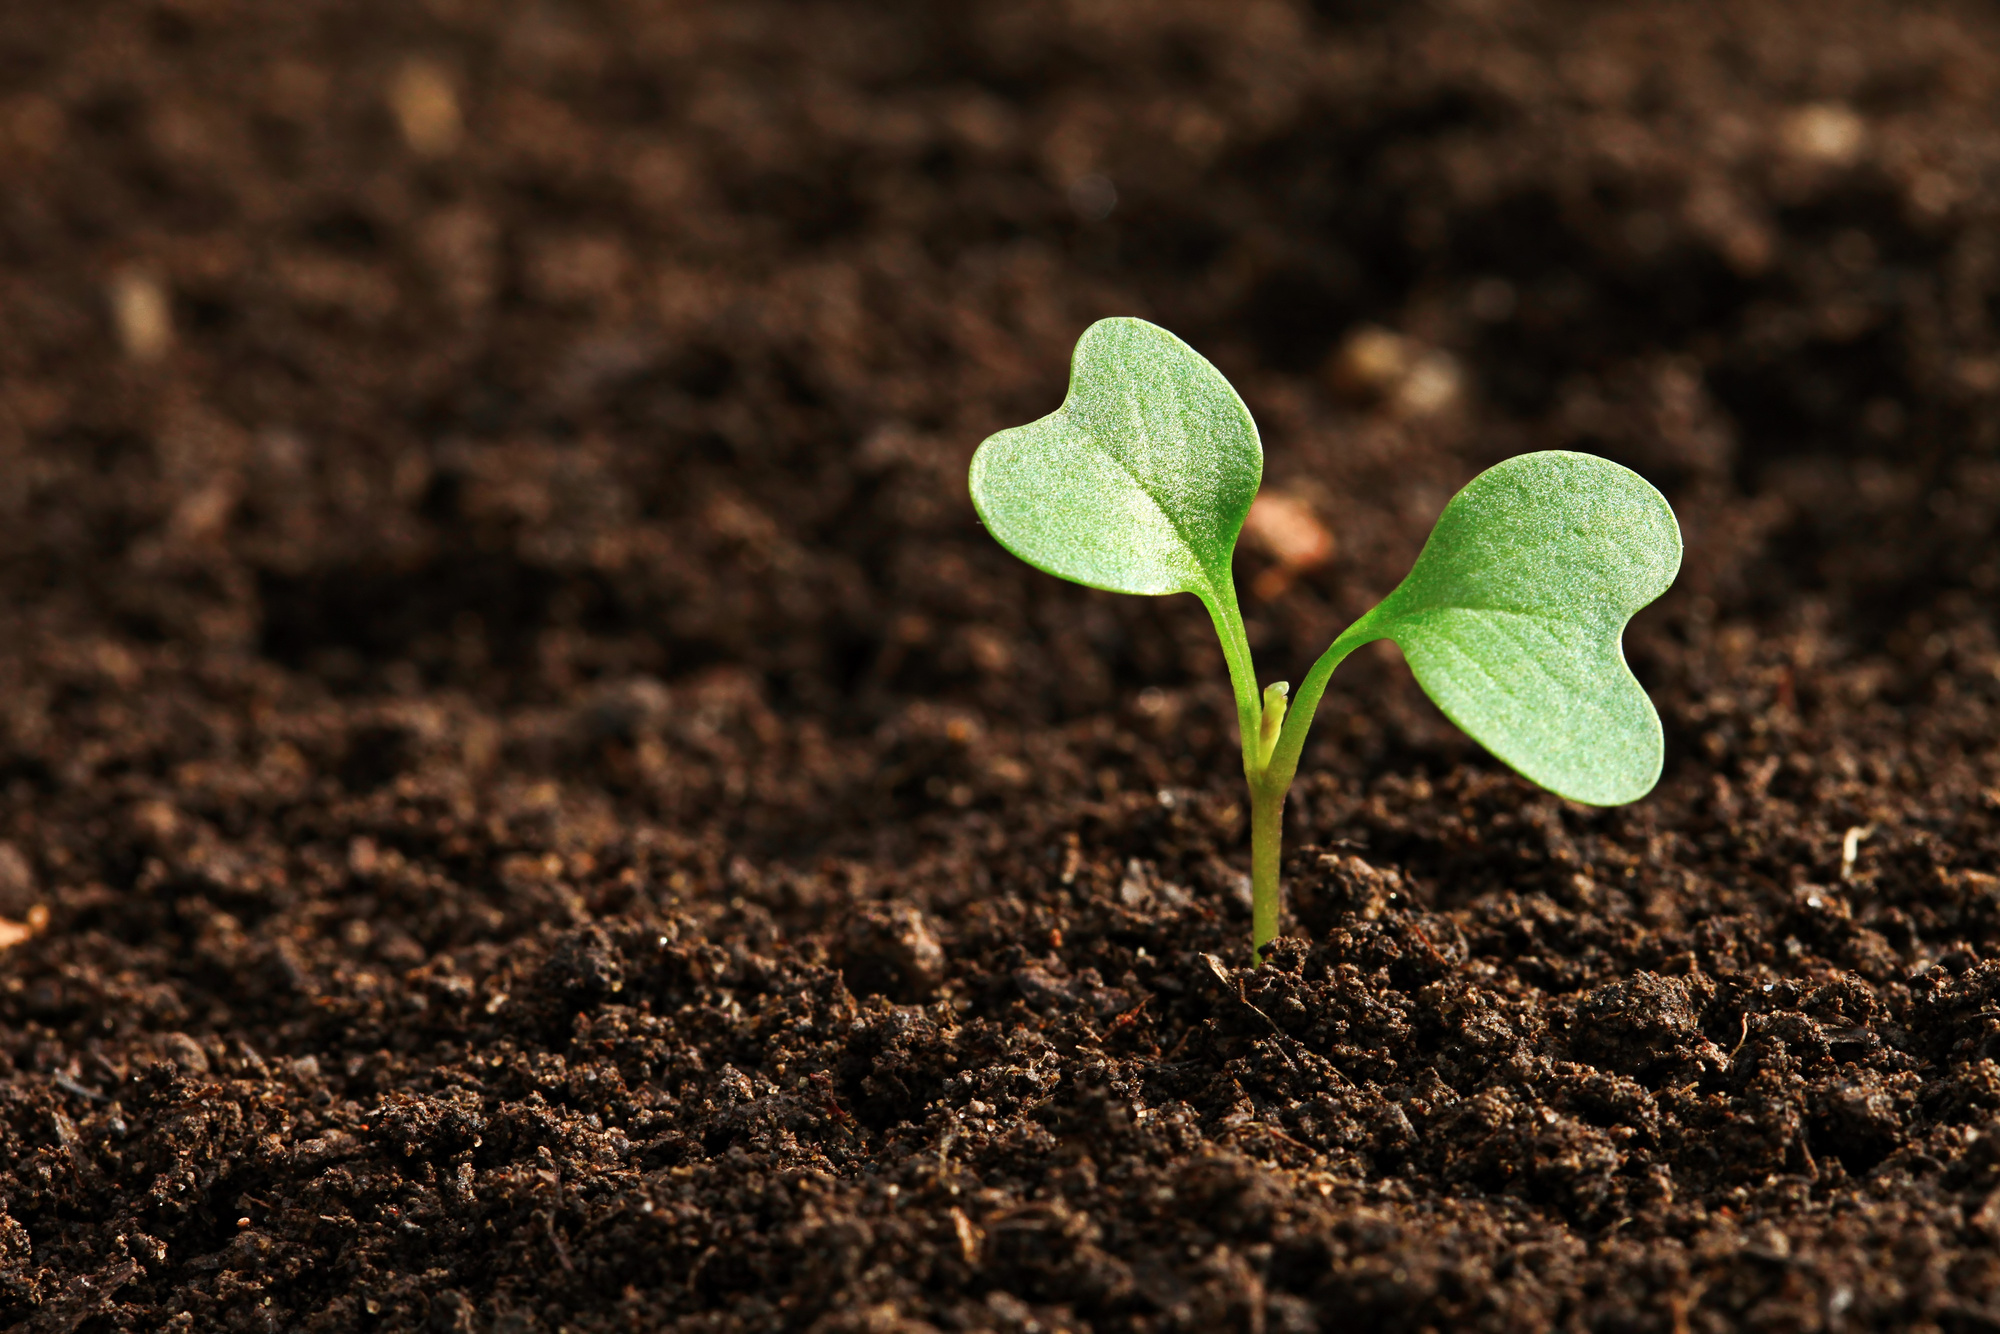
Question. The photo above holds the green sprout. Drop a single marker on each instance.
(1511, 618)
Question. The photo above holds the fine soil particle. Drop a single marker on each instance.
(528, 803)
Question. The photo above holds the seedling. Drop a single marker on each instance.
(1511, 618)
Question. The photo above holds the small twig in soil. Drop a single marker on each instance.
(1127, 1018)
(700, 1263)
(1850, 848)
(69, 1085)
(969, 1236)
(1680, 1303)
(1274, 1133)
(1283, 1036)
(555, 1239)
(823, 1084)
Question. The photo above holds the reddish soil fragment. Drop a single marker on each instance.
(533, 806)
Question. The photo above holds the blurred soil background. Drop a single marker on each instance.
(528, 803)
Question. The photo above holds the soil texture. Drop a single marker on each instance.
(528, 803)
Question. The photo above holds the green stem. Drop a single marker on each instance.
(1272, 780)
(1270, 762)
(1221, 604)
(1284, 762)
(1267, 837)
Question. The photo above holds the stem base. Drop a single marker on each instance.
(1267, 825)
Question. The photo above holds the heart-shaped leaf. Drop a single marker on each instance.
(1139, 482)
(1512, 617)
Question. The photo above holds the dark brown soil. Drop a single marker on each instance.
(540, 809)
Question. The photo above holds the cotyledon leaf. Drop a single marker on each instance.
(1512, 617)
(1139, 482)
